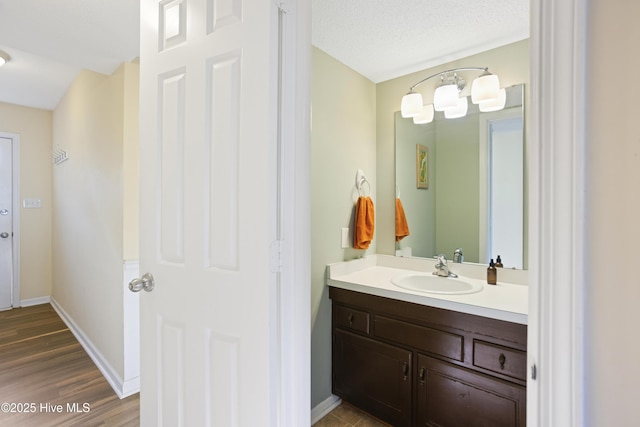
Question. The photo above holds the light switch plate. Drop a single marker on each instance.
(345, 238)
(31, 203)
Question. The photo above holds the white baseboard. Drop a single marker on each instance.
(98, 358)
(35, 301)
(130, 387)
(324, 407)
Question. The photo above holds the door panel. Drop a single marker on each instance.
(374, 376)
(6, 230)
(449, 395)
(207, 212)
(222, 117)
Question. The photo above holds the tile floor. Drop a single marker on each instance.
(347, 415)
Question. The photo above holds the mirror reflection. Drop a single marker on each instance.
(461, 184)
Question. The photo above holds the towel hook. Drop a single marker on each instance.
(361, 179)
(397, 192)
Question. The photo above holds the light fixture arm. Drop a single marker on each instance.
(444, 73)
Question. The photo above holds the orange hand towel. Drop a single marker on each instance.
(363, 232)
(402, 228)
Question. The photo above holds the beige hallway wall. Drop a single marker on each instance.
(91, 229)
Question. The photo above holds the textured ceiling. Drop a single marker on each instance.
(384, 39)
(50, 41)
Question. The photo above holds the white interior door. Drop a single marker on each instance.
(208, 72)
(6, 224)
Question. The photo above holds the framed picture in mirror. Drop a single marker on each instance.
(422, 166)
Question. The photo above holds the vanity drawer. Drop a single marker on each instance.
(350, 318)
(501, 360)
(422, 338)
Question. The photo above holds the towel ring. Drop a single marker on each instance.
(361, 179)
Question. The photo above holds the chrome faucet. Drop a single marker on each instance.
(442, 269)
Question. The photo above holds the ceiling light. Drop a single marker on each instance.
(425, 116)
(485, 88)
(4, 58)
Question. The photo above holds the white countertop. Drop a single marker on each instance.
(373, 274)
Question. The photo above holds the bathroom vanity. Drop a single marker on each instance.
(416, 359)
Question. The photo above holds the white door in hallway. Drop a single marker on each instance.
(208, 171)
(6, 224)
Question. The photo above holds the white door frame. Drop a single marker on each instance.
(294, 298)
(15, 210)
(556, 153)
(556, 211)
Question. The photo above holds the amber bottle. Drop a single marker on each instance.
(492, 273)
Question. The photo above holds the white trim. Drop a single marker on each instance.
(15, 211)
(34, 301)
(323, 408)
(110, 374)
(556, 212)
(293, 303)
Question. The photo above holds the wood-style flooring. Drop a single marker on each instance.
(347, 415)
(47, 379)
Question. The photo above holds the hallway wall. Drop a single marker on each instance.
(94, 230)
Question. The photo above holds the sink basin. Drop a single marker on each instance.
(429, 283)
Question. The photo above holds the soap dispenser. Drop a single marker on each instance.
(499, 262)
(492, 273)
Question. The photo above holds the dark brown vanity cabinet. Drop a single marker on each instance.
(414, 365)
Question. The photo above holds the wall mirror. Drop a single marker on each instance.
(462, 184)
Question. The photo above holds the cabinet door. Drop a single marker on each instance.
(373, 376)
(448, 395)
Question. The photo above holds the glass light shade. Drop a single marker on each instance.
(485, 88)
(2, 61)
(460, 110)
(411, 105)
(445, 96)
(425, 116)
(494, 105)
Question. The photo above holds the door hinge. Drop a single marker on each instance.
(276, 251)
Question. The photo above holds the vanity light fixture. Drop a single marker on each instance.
(496, 104)
(425, 116)
(4, 58)
(485, 89)
(460, 110)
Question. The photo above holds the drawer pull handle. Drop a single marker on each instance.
(350, 319)
(405, 371)
(422, 373)
(502, 359)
